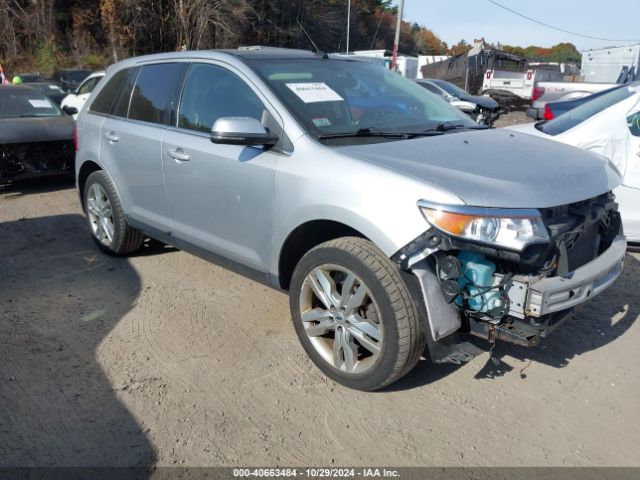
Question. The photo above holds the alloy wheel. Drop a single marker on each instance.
(341, 318)
(100, 214)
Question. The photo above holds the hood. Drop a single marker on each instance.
(484, 102)
(529, 128)
(496, 168)
(36, 129)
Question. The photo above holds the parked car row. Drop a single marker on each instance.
(36, 129)
(482, 109)
(393, 220)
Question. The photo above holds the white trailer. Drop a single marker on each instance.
(408, 67)
(606, 64)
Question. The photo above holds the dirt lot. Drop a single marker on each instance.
(163, 358)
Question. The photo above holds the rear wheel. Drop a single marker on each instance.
(106, 219)
(353, 314)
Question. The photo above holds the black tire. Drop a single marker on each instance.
(403, 340)
(125, 239)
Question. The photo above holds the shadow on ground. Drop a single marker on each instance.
(594, 325)
(59, 299)
(19, 188)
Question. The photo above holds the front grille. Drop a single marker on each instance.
(34, 158)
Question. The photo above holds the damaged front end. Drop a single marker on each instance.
(510, 275)
(30, 159)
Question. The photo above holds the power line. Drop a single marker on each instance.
(556, 28)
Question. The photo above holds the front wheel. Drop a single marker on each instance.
(353, 314)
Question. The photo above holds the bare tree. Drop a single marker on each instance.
(116, 31)
(209, 23)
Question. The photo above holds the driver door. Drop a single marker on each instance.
(220, 196)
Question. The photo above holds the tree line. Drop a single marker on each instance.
(44, 34)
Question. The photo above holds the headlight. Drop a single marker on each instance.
(511, 229)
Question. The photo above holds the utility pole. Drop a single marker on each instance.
(348, 23)
(394, 59)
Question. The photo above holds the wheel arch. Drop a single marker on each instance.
(87, 168)
(305, 237)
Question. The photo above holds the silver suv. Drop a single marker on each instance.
(396, 223)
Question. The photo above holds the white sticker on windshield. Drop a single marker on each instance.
(40, 103)
(313, 92)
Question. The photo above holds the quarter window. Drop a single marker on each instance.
(154, 92)
(88, 86)
(212, 92)
(104, 100)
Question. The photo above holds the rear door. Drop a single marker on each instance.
(220, 196)
(132, 140)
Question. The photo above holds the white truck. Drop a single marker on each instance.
(515, 87)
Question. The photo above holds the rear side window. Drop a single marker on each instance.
(105, 98)
(212, 92)
(154, 92)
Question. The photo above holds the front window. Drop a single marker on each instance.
(585, 111)
(212, 92)
(334, 97)
(16, 103)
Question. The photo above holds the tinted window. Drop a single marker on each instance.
(121, 106)
(212, 92)
(585, 111)
(154, 92)
(431, 88)
(450, 88)
(104, 99)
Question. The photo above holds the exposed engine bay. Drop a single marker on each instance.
(21, 160)
(519, 297)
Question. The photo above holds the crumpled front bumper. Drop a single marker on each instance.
(535, 297)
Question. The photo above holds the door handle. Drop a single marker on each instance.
(111, 137)
(178, 154)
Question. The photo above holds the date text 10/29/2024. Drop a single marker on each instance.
(317, 472)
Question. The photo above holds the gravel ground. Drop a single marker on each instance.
(164, 359)
(515, 117)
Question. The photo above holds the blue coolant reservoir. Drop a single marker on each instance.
(477, 274)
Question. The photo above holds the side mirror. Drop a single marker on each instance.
(241, 131)
(70, 110)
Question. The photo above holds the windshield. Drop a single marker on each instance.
(26, 103)
(450, 88)
(585, 111)
(334, 97)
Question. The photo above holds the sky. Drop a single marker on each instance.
(453, 20)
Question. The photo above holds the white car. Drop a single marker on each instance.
(76, 100)
(608, 125)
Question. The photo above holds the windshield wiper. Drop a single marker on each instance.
(446, 126)
(367, 132)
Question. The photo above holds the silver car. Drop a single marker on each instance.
(395, 222)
